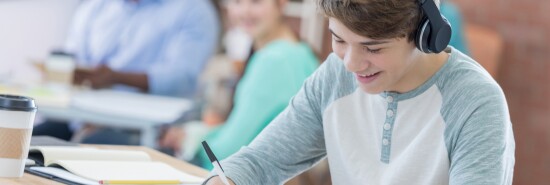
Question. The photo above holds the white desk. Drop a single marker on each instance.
(148, 129)
(120, 110)
(108, 108)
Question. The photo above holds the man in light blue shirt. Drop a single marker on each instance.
(154, 46)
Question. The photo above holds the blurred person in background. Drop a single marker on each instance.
(278, 65)
(154, 46)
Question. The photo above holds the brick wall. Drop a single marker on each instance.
(524, 74)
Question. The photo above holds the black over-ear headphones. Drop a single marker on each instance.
(434, 31)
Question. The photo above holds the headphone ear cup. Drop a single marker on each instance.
(422, 34)
(441, 37)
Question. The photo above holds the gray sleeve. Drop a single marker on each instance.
(290, 144)
(482, 147)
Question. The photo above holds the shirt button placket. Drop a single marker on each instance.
(387, 128)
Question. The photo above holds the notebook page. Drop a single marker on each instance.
(127, 170)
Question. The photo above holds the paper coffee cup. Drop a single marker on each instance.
(16, 122)
(59, 71)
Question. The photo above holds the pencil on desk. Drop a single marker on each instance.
(140, 182)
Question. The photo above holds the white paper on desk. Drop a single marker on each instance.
(64, 174)
(129, 170)
(134, 105)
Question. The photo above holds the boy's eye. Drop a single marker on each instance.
(373, 50)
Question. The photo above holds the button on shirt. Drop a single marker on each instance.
(170, 41)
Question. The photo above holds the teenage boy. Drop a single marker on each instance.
(392, 105)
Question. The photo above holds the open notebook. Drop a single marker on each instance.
(77, 165)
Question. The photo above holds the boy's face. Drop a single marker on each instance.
(378, 65)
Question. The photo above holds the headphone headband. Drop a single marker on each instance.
(432, 12)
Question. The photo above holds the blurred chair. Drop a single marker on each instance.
(307, 22)
(486, 46)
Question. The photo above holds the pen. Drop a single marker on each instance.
(217, 167)
(140, 182)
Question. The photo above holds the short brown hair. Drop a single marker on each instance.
(375, 19)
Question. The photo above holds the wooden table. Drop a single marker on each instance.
(29, 179)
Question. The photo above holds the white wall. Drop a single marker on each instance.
(29, 29)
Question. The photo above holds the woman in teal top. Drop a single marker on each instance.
(275, 72)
